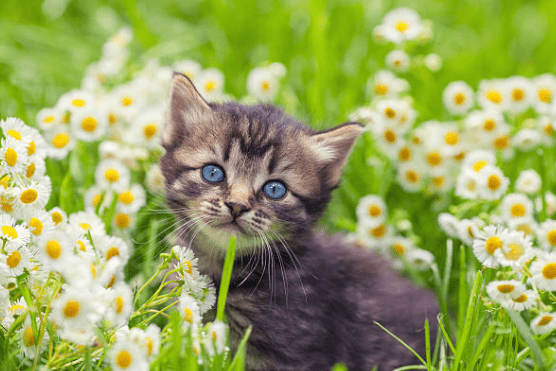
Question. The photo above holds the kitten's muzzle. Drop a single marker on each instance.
(236, 209)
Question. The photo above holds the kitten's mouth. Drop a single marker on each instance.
(231, 227)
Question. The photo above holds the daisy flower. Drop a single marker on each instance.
(478, 159)
(516, 250)
(385, 84)
(59, 217)
(89, 124)
(126, 102)
(410, 176)
(112, 246)
(95, 195)
(467, 184)
(131, 200)
(28, 340)
(126, 355)
(526, 139)
(47, 118)
(528, 182)
(520, 93)
(543, 323)
(189, 310)
(263, 84)
(543, 271)
(469, 229)
(491, 183)
(487, 242)
(124, 220)
(546, 234)
(38, 223)
(505, 291)
(516, 206)
(154, 179)
(397, 247)
(60, 142)
(146, 130)
(15, 235)
(13, 156)
(493, 94)
(151, 340)
(83, 222)
(54, 249)
(396, 114)
(433, 62)
(189, 68)
(486, 125)
(75, 101)
(33, 197)
(458, 98)
(76, 311)
(210, 83)
(372, 209)
(526, 226)
(527, 300)
(449, 224)
(546, 126)
(120, 304)
(398, 61)
(419, 259)
(544, 89)
(112, 175)
(15, 128)
(17, 259)
(401, 24)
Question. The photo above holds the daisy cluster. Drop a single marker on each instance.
(376, 233)
(505, 211)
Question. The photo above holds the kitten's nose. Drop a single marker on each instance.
(236, 208)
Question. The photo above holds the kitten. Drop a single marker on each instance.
(258, 174)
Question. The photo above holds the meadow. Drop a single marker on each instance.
(452, 181)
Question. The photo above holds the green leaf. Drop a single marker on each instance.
(527, 336)
(226, 276)
(238, 364)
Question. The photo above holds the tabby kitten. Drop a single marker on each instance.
(258, 174)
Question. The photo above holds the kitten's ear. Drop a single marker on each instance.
(187, 107)
(333, 148)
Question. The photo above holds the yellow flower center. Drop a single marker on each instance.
(82, 246)
(402, 26)
(502, 142)
(119, 304)
(89, 124)
(57, 217)
(71, 309)
(113, 251)
(4, 181)
(85, 226)
(493, 243)
(438, 181)
(379, 231)
(10, 157)
(390, 113)
(452, 138)
(404, 154)
(37, 226)
(398, 249)
(14, 134)
(28, 337)
(545, 95)
(149, 131)
(30, 170)
(518, 95)
(210, 86)
(489, 125)
(548, 130)
(48, 119)
(188, 315)
(150, 346)
(517, 210)
(112, 119)
(78, 102)
(123, 359)
(381, 89)
(516, 251)
(53, 249)
(60, 140)
(9, 231)
(127, 101)
(265, 85)
(31, 148)
(494, 182)
(188, 267)
(521, 298)
(459, 99)
(505, 288)
(494, 96)
(126, 197)
(13, 259)
(7, 204)
(434, 158)
(525, 228)
(551, 237)
(479, 165)
(545, 321)
(412, 176)
(28, 196)
(123, 220)
(96, 199)
(374, 211)
(549, 271)
(390, 136)
(112, 175)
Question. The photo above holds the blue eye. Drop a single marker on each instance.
(274, 189)
(213, 173)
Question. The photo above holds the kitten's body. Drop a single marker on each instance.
(310, 298)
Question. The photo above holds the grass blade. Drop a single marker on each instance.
(527, 336)
(402, 342)
(238, 364)
(226, 276)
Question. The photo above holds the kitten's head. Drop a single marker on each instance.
(251, 171)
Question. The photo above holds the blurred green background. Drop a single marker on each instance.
(326, 46)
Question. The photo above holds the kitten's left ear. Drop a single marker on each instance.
(333, 147)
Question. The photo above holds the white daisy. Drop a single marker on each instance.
(449, 224)
(28, 339)
(526, 139)
(493, 94)
(528, 182)
(112, 175)
(262, 83)
(410, 176)
(33, 197)
(544, 90)
(371, 209)
(544, 323)
(467, 184)
(17, 259)
(75, 101)
(189, 310)
(131, 200)
(491, 183)
(13, 156)
(516, 206)
(47, 118)
(516, 250)
(210, 83)
(543, 271)
(126, 355)
(527, 300)
(120, 304)
(546, 234)
(487, 242)
(505, 291)
(89, 124)
(83, 222)
(469, 230)
(112, 246)
(520, 93)
(189, 68)
(458, 97)
(398, 60)
(384, 84)
(54, 249)
(60, 142)
(401, 24)
(420, 259)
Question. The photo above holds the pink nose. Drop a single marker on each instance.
(236, 209)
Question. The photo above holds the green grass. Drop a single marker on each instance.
(328, 50)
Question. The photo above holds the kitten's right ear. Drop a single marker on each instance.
(187, 107)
